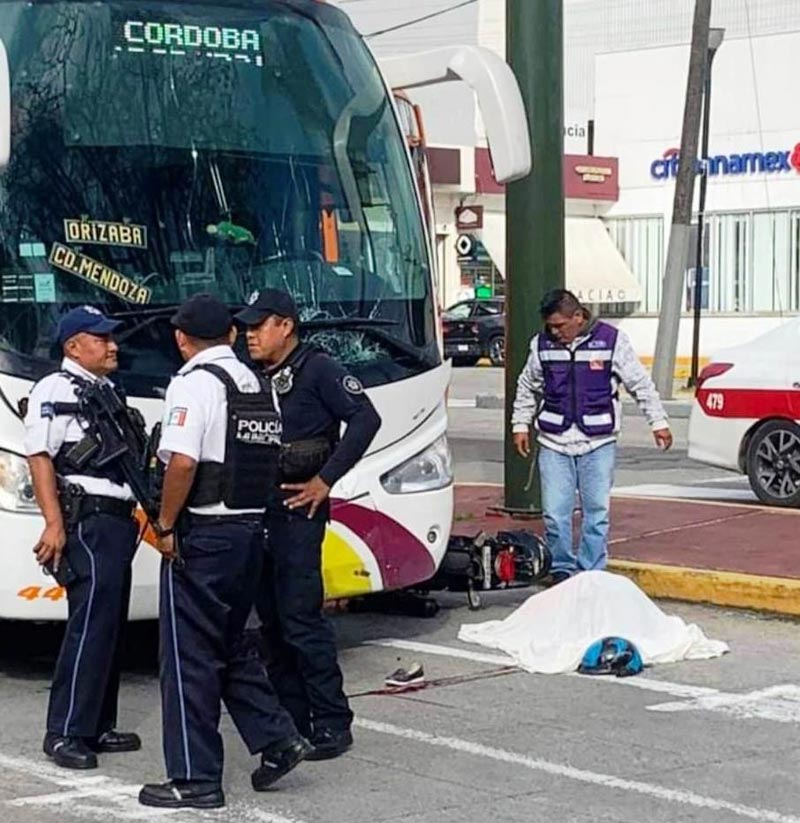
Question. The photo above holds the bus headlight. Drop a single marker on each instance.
(16, 488)
(430, 469)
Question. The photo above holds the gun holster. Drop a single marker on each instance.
(298, 462)
(69, 497)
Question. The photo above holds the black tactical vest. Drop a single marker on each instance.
(249, 470)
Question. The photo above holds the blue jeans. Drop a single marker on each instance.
(592, 476)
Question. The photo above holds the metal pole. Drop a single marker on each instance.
(534, 209)
(678, 251)
(698, 271)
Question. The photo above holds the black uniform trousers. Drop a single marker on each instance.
(204, 658)
(83, 697)
(301, 645)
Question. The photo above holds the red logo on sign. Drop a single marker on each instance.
(795, 158)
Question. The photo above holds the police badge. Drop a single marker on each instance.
(283, 380)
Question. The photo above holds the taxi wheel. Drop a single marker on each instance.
(773, 463)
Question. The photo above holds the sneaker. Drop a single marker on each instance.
(328, 744)
(412, 676)
(183, 794)
(557, 577)
(69, 752)
(278, 760)
(114, 741)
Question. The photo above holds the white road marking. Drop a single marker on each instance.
(778, 703)
(648, 684)
(564, 771)
(98, 793)
(100, 797)
(270, 817)
(444, 651)
(668, 490)
(461, 403)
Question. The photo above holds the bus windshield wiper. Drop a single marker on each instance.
(345, 322)
(148, 315)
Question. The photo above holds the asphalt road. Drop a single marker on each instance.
(709, 741)
(488, 743)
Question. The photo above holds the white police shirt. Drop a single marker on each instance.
(45, 432)
(196, 414)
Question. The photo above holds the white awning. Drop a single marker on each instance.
(596, 271)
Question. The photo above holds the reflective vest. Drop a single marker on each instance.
(578, 386)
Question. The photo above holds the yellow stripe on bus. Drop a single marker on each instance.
(343, 571)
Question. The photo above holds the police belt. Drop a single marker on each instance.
(112, 506)
(190, 520)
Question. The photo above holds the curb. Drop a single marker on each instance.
(780, 595)
(676, 409)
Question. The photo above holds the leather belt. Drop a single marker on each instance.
(112, 506)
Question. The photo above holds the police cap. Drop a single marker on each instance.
(84, 319)
(203, 316)
(266, 302)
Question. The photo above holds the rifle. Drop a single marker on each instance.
(121, 438)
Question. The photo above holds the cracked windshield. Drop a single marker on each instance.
(160, 151)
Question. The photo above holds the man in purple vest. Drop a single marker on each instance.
(569, 390)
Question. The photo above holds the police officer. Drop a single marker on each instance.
(315, 395)
(90, 552)
(219, 442)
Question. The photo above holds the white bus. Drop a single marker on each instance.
(152, 150)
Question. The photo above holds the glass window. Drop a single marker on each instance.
(485, 309)
(246, 147)
(640, 240)
(461, 311)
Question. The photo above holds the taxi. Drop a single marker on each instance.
(746, 414)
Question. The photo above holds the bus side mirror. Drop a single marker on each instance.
(497, 91)
(5, 108)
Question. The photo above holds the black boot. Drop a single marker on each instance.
(328, 743)
(183, 794)
(114, 741)
(69, 752)
(278, 760)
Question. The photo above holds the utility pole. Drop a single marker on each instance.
(678, 251)
(534, 209)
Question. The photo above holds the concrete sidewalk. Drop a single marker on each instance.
(745, 556)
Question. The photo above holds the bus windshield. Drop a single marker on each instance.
(165, 149)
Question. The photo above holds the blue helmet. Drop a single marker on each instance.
(612, 655)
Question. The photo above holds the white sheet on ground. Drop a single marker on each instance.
(550, 632)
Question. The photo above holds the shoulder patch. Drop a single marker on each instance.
(352, 385)
(177, 416)
(47, 410)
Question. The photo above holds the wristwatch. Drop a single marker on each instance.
(161, 531)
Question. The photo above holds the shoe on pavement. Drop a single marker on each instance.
(114, 741)
(328, 744)
(278, 760)
(69, 752)
(412, 676)
(183, 794)
(557, 577)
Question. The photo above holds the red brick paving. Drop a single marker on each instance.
(737, 538)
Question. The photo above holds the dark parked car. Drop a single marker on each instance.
(474, 329)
